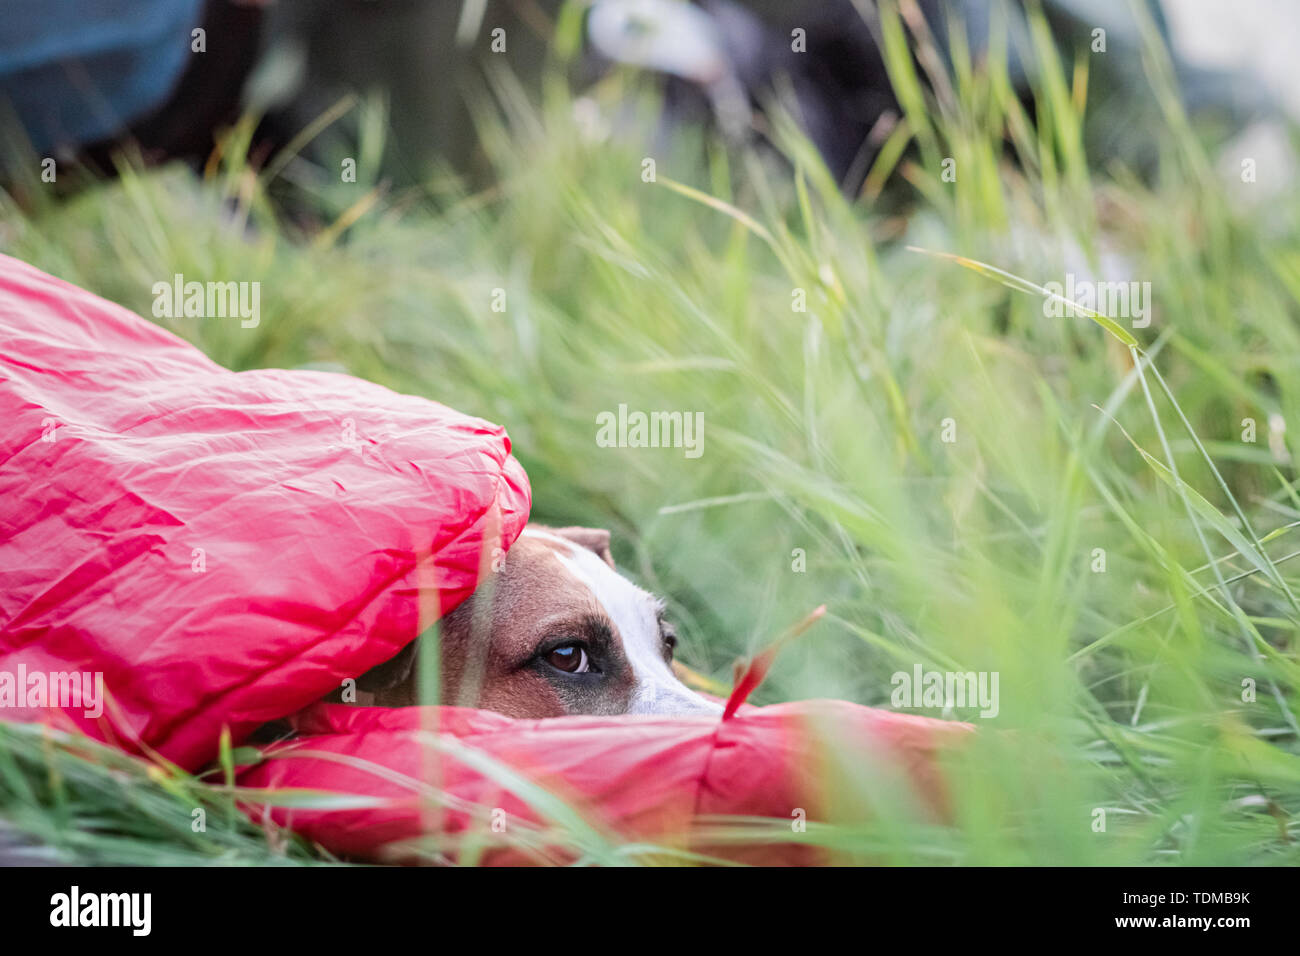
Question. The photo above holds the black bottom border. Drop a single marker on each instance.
(306, 905)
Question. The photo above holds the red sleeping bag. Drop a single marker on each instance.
(661, 780)
(222, 549)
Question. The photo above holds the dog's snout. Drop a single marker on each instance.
(671, 702)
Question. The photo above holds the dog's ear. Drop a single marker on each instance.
(593, 539)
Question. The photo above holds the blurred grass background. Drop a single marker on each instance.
(1120, 690)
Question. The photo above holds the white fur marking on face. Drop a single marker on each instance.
(657, 689)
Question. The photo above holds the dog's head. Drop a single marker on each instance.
(556, 630)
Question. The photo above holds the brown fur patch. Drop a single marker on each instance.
(490, 643)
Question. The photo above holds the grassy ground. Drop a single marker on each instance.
(1098, 532)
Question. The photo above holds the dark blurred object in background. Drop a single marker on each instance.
(83, 76)
(80, 77)
(836, 84)
(75, 71)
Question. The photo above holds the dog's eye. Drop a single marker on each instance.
(570, 658)
(670, 645)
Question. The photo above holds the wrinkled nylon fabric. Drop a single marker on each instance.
(225, 548)
(628, 778)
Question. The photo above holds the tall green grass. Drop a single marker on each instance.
(1121, 689)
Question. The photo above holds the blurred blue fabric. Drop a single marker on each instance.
(78, 71)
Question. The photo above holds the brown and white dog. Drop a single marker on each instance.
(556, 630)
